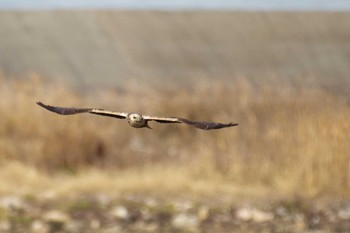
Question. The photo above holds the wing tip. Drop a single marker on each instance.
(207, 125)
(41, 104)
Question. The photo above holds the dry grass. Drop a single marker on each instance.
(291, 140)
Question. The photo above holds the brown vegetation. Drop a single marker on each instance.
(291, 139)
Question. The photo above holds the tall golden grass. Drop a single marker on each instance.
(291, 138)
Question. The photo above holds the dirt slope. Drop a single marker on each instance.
(87, 47)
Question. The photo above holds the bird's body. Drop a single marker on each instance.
(137, 120)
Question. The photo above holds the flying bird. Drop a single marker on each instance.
(137, 120)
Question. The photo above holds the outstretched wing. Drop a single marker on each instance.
(207, 125)
(198, 124)
(71, 111)
(161, 119)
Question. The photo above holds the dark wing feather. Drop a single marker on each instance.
(198, 124)
(63, 111)
(166, 122)
(71, 111)
(207, 125)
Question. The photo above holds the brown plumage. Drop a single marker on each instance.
(137, 120)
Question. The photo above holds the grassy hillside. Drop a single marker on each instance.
(90, 47)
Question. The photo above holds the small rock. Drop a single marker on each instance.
(185, 221)
(344, 213)
(281, 211)
(12, 202)
(262, 216)
(56, 216)
(120, 212)
(247, 214)
(244, 214)
(39, 226)
(183, 206)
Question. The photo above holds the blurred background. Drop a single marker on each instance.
(279, 68)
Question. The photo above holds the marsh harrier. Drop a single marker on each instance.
(137, 120)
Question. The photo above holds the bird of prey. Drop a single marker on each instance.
(137, 120)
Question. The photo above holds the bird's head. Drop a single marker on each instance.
(135, 117)
(136, 120)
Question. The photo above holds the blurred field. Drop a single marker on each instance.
(109, 47)
(291, 139)
(283, 76)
